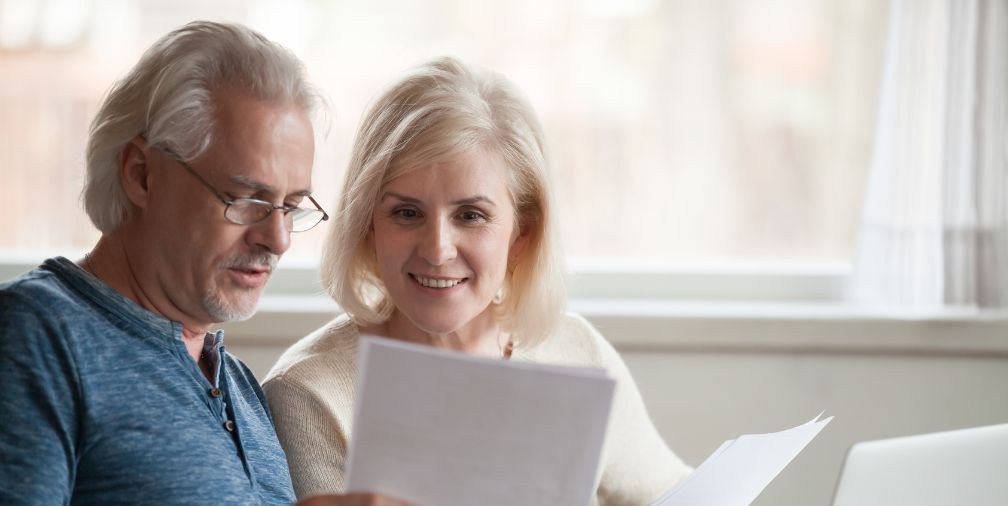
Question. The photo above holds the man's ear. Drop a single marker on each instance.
(133, 172)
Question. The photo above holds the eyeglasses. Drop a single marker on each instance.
(245, 211)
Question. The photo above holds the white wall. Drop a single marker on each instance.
(713, 374)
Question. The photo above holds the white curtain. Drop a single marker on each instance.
(934, 235)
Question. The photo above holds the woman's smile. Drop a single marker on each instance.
(441, 284)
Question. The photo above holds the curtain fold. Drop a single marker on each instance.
(934, 231)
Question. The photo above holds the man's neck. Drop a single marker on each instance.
(111, 262)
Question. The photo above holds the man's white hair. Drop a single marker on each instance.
(168, 98)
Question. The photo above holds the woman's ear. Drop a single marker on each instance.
(518, 245)
(133, 171)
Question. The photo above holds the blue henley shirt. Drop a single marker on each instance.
(100, 403)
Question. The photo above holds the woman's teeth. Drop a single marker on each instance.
(437, 283)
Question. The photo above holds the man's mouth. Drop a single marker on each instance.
(250, 276)
(254, 270)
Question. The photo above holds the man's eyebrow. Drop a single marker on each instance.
(260, 187)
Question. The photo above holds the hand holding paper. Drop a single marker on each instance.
(445, 428)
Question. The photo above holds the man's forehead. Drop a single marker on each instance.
(258, 186)
(263, 146)
(234, 107)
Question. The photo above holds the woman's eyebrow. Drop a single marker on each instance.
(399, 196)
(460, 202)
(473, 200)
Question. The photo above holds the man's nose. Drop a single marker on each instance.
(272, 233)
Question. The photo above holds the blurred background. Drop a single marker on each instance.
(681, 131)
(712, 160)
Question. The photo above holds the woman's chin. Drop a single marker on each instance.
(440, 328)
(440, 321)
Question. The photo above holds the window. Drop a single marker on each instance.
(723, 133)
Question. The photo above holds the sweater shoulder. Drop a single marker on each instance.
(330, 350)
(574, 341)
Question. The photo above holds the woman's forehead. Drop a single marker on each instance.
(475, 156)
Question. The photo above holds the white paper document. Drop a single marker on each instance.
(738, 471)
(444, 428)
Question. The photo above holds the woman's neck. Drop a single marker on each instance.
(482, 336)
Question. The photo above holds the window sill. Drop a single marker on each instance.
(800, 312)
(711, 326)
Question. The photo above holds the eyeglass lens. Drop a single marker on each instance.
(247, 212)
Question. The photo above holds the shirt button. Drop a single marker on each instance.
(229, 425)
(215, 392)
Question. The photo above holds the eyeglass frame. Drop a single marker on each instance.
(228, 203)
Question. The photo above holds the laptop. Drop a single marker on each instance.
(959, 467)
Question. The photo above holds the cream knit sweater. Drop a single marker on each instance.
(311, 395)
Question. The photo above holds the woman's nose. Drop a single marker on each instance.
(437, 245)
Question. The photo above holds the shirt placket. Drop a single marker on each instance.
(227, 412)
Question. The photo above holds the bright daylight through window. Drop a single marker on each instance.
(681, 131)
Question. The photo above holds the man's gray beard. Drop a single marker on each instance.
(220, 310)
(223, 311)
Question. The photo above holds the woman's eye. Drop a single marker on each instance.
(472, 216)
(406, 213)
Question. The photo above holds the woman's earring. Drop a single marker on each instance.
(499, 296)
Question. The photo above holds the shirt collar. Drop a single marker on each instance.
(111, 300)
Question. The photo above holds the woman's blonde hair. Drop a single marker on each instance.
(436, 111)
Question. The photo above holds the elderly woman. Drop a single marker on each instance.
(445, 237)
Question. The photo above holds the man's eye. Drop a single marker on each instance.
(243, 201)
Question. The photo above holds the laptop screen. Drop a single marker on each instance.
(960, 467)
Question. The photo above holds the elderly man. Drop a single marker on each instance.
(112, 387)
